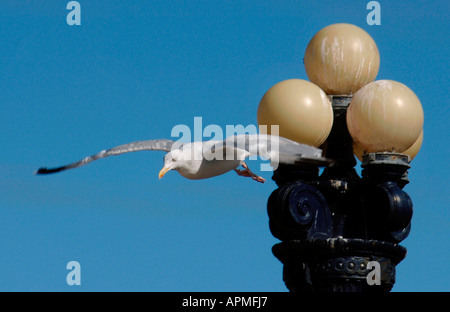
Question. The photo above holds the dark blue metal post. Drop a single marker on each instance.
(333, 225)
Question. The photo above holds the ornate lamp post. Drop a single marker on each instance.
(336, 228)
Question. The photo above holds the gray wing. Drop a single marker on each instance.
(267, 146)
(150, 145)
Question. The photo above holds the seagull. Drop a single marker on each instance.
(207, 159)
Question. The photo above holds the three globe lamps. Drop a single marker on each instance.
(343, 59)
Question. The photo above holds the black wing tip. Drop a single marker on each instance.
(44, 170)
(41, 170)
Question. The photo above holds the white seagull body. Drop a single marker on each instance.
(202, 160)
(194, 165)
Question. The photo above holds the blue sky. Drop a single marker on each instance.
(132, 71)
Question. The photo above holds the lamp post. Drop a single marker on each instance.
(340, 231)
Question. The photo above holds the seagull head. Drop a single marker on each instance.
(171, 161)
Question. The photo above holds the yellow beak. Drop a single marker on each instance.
(163, 172)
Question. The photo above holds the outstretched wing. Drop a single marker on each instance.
(264, 145)
(150, 145)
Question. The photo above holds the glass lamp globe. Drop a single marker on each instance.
(411, 152)
(384, 116)
(301, 109)
(415, 148)
(341, 58)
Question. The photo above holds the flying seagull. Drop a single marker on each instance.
(202, 160)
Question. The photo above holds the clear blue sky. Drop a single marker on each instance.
(135, 69)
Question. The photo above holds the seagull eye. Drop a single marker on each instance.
(174, 155)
